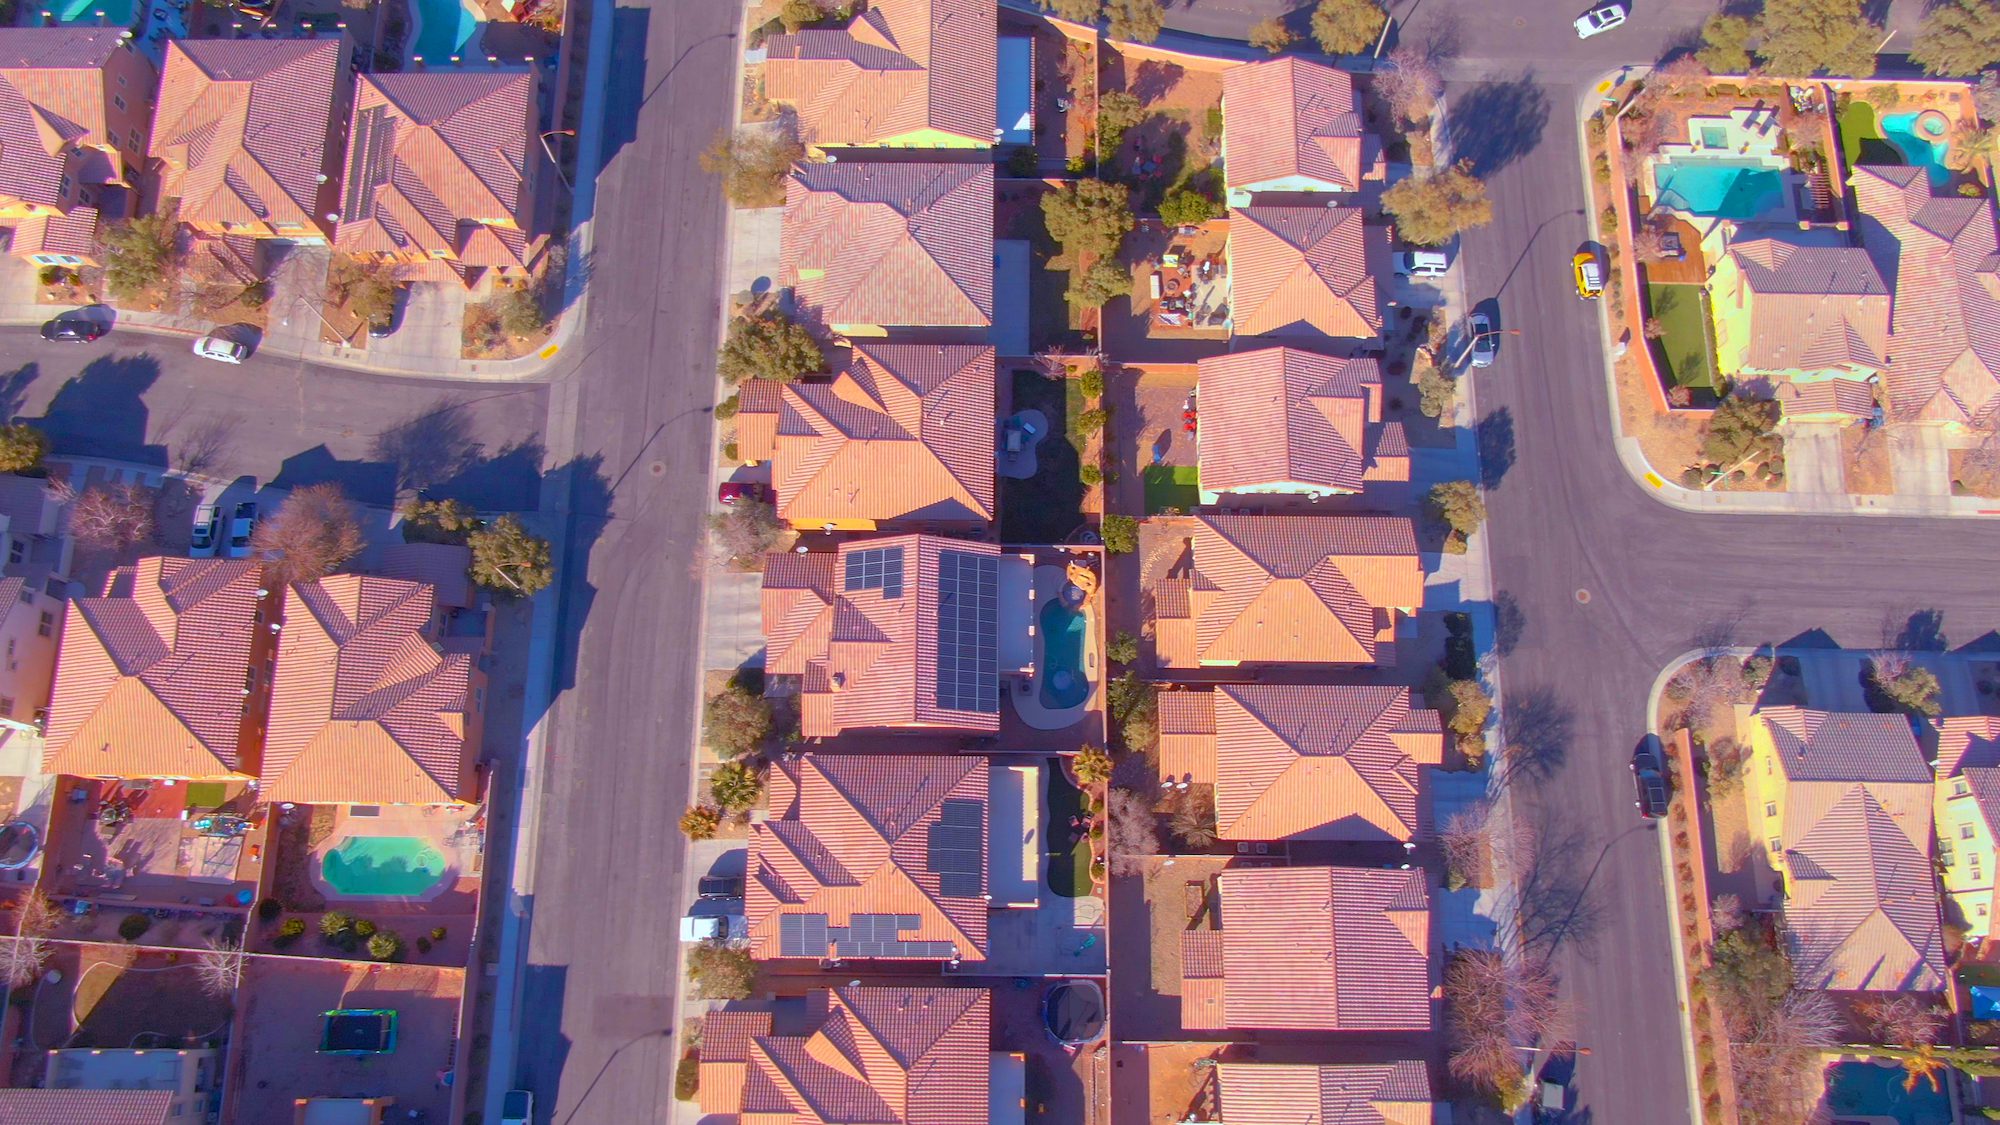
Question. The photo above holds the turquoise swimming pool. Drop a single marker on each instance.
(1064, 683)
(383, 867)
(1920, 137)
(1719, 187)
(1863, 1089)
(444, 28)
(117, 13)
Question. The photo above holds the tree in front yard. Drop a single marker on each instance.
(1457, 505)
(735, 721)
(22, 447)
(1437, 391)
(1431, 210)
(1494, 1005)
(735, 786)
(113, 517)
(1186, 208)
(1122, 648)
(1091, 765)
(1410, 85)
(1089, 217)
(1903, 685)
(1740, 429)
(1347, 27)
(508, 559)
(1082, 11)
(767, 344)
(1120, 534)
(366, 285)
(1105, 279)
(1272, 35)
(139, 253)
(1725, 45)
(720, 972)
(1959, 37)
(1800, 38)
(314, 531)
(752, 164)
(700, 822)
(747, 530)
(438, 521)
(521, 309)
(1136, 20)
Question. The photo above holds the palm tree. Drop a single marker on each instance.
(1194, 823)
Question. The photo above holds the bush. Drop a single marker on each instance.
(1738, 429)
(438, 933)
(747, 529)
(720, 972)
(132, 927)
(1090, 474)
(736, 721)
(1091, 765)
(1123, 648)
(1120, 534)
(384, 946)
(333, 923)
(1092, 421)
(687, 1076)
(1091, 383)
(290, 929)
(735, 786)
(139, 253)
(363, 928)
(700, 822)
(268, 909)
(1186, 208)
(438, 521)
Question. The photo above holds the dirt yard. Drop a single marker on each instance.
(1182, 137)
(1864, 454)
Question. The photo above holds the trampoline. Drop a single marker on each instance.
(1074, 1012)
(359, 1031)
(19, 845)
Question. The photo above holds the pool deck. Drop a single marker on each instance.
(448, 830)
(1028, 704)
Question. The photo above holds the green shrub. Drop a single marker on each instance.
(292, 928)
(363, 928)
(437, 933)
(333, 923)
(1092, 421)
(134, 926)
(1120, 534)
(1090, 474)
(268, 909)
(1091, 382)
(384, 946)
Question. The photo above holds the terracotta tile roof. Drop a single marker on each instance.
(1861, 906)
(872, 655)
(364, 708)
(1967, 740)
(1293, 119)
(898, 68)
(86, 1107)
(54, 110)
(1295, 762)
(74, 233)
(1397, 1093)
(1319, 948)
(904, 433)
(149, 679)
(243, 127)
(1330, 409)
(1849, 398)
(758, 402)
(907, 245)
(1984, 783)
(1305, 267)
(858, 834)
(436, 158)
(882, 1055)
(1292, 589)
(1829, 746)
(1812, 307)
(1940, 255)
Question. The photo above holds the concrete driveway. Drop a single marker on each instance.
(432, 325)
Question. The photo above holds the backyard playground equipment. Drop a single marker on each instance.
(1074, 1012)
(358, 1032)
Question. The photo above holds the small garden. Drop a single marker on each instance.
(1048, 507)
(1681, 337)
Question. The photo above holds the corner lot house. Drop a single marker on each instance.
(901, 74)
(74, 106)
(1286, 422)
(1844, 803)
(1294, 126)
(1304, 762)
(1811, 314)
(1967, 811)
(1306, 271)
(871, 856)
(1396, 1093)
(1311, 949)
(902, 436)
(871, 247)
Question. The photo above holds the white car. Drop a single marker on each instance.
(1422, 263)
(1600, 19)
(202, 544)
(241, 525)
(220, 350)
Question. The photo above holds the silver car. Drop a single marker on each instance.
(220, 350)
(1485, 341)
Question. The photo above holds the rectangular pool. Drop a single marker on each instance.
(1719, 187)
(1867, 1090)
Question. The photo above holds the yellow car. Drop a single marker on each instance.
(1589, 275)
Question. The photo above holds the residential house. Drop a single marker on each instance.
(1810, 314)
(88, 1107)
(1966, 811)
(871, 247)
(1391, 1093)
(1842, 804)
(1285, 422)
(1939, 257)
(900, 74)
(36, 550)
(441, 174)
(189, 1077)
(1289, 590)
(368, 708)
(881, 1054)
(166, 675)
(1306, 271)
(910, 632)
(75, 103)
(1311, 949)
(871, 856)
(1304, 762)
(903, 435)
(249, 135)
(1290, 125)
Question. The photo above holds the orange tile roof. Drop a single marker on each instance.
(1293, 119)
(882, 1055)
(1940, 256)
(1812, 307)
(1967, 740)
(1281, 416)
(246, 126)
(900, 67)
(364, 708)
(1314, 948)
(896, 245)
(870, 655)
(1305, 268)
(1299, 762)
(439, 164)
(150, 677)
(54, 122)
(758, 402)
(904, 433)
(857, 834)
(1848, 398)
(1290, 590)
(1395, 1093)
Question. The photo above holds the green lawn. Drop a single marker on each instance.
(1069, 866)
(1172, 486)
(1861, 137)
(1684, 350)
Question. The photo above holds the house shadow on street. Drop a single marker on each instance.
(1498, 121)
(102, 412)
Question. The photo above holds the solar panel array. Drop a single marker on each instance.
(865, 935)
(968, 633)
(876, 568)
(954, 854)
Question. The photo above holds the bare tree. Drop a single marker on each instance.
(1468, 857)
(220, 967)
(112, 517)
(23, 956)
(1495, 1008)
(1726, 913)
(1134, 833)
(1702, 688)
(314, 531)
(1776, 1058)
(1902, 1020)
(1410, 86)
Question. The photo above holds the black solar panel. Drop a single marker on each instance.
(954, 852)
(968, 633)
(876, 935)
(877, 568)
(802, 935)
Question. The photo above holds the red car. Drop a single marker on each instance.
(734, 490)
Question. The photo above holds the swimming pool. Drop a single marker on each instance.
(1064, 683)
(1863, 1089)
(383, 867)
(1920, 137)
(83, 13)
(444, 28)
(1718, 186)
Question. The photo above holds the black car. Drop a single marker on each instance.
(386, 324)
(74, 329)
(1652, 784)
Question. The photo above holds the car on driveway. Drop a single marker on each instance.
(1600, 19)
(1422, 263)
(74, 329)
(1589, 275)
(1652, 784)
(241, 524)
(220, 350)
(1485, 341)
(202, 544)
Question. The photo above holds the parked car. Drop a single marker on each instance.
(241, 524)
(730, 491)
(74, 329)
(220, 350)
(517, 1108)
(1652, 784)
(1485, 341)
(715, 919)
(720, 886)
(202, 544)
(1600, 19)
(1423, 263)
(387, 324)
(1589, 275)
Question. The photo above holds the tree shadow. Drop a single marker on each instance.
(1498, 122)
(1923, 631)
(1510, 622)
(14, 388)
(1554, 899)
(102, 411)
(1154, 79)
(365, 482)
(624, 94)
(1494, 437)
(588, 490)
(1536, 731)
(429, 446)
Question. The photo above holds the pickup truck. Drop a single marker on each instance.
(715, 919)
